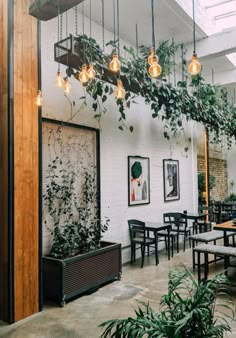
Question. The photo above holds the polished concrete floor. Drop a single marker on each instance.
(80, 318)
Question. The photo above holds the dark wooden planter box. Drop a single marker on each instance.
(65, 279)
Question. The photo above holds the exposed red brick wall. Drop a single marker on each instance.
(217, 168)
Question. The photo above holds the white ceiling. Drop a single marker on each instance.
(171, 20)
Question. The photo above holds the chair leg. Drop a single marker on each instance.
(199, 267)
(193, 255)
(205, 266)
(156, 252)
(184, 240)
(132, 253)
(142, 254)
(178, 243)
(172, 246)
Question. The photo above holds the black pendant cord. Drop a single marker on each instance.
(103, 26)
(83, 32)
(194, 31)
(153, 26)
(76, 20)
(114, 22)
(118, 27)
(136, 30)
(58, 32)
(90, 18)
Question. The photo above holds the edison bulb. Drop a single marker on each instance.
(83, 76)
(119, 91)
(155, 69)
(114, 64)
(59, 80)
(91, 72)
(151, 56)
(194, 67)
(66, 86)
(39, 99)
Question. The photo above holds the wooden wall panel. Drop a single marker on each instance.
(4, 259)
(26, 166)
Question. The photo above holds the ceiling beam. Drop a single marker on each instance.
(222, 78)
(219, 44)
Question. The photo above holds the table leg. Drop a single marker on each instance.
(226, 239)
(168, 231)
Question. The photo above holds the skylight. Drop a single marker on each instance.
(222, 11)
(232, 58)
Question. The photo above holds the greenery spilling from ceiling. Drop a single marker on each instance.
(172, 103)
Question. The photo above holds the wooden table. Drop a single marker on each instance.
(226, 226)
(157, 226)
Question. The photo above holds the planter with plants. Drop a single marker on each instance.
(188, 310)
(79, 261)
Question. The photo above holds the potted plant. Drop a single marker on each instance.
(202, 186)
(188, 310)
(79, 260)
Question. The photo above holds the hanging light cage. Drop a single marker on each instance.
(70, 52)
(47, 9)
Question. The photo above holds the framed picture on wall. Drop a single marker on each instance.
(171, 180)
(138, 180)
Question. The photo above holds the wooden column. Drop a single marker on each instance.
(4, 172)
(22, 192)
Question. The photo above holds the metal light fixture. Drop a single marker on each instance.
(154, 69)
(194, 67)
(119, 91)
(59, 80)
(39, 99)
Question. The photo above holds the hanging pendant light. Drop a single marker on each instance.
(91, 72)
(66, 86)
(154, 69)
(39, 99)
(194, 67)
(119, 91)
(59, 80)
(83, 76)
(115, 63)
(151, 55)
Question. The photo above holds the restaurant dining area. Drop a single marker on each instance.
(117, 171)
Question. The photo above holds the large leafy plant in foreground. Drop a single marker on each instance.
(188, 310)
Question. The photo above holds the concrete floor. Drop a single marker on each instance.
(80, 318)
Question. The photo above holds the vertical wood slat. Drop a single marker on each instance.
(26, 250)
(4, 258)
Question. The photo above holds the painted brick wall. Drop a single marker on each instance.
(217, 168)
(115, 146)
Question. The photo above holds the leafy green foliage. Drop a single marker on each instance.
(173, 104)
(76, 224)
(231, 198)
(202, 182)
(188, 310)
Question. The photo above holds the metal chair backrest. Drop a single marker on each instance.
(177, 219)
(137, 229)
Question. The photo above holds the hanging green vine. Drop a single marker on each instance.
(172, 104)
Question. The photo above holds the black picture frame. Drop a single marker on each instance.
(171, 180)
(138, 180)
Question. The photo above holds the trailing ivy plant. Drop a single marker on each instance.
(71, 210)
(173, 104)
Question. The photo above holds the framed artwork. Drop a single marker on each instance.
(138, 180)
(171, 180)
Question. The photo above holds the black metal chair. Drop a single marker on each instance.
(179, 226)
(138, 236)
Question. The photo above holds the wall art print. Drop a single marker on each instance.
(138, 180)
(171, 180)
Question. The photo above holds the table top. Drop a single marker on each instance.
(157, 226)
(226, 226)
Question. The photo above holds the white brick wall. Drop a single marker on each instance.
(146, 140)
